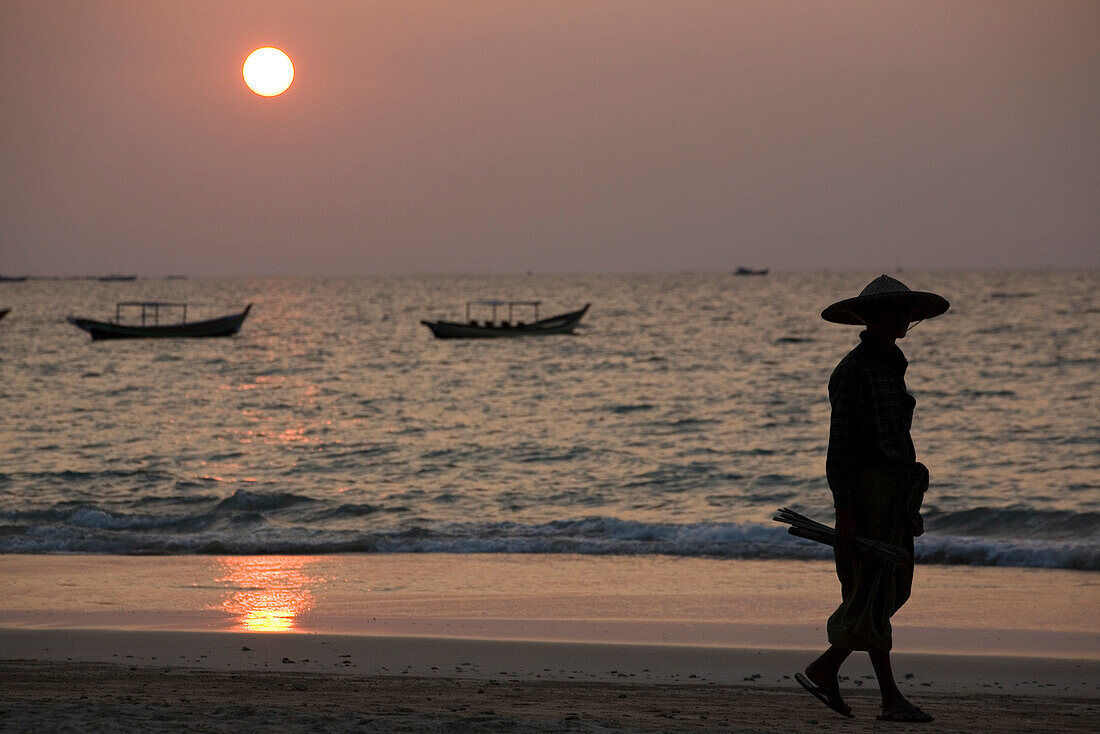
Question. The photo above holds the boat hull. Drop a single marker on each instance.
(221, 326)
(561, 324)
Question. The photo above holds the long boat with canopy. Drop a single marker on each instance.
(144, 322)
(472, 328)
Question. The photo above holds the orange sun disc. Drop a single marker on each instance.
(268, 71)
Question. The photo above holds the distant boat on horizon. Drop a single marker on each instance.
(750, 271)
(12, 278)
(150, 311)
(117, 277)
(563, 323)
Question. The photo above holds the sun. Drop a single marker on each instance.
(268, 71)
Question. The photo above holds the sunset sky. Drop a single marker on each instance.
(483, 136)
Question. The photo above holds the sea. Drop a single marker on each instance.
(680, 416)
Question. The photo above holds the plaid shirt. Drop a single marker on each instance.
(871, 418)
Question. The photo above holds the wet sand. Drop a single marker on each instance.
(554, 598)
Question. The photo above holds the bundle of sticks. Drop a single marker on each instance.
(804, 527)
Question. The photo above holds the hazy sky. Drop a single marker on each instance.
(490, 136)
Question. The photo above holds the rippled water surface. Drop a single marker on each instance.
(685, 411)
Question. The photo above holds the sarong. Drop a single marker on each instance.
(887, 500)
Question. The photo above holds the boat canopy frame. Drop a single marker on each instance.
(494, 302)
(149, 309)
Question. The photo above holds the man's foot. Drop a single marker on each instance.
(903, 711)
(825, 689)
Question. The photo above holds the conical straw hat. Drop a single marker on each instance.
(885, 291)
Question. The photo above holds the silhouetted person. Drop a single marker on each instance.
(877, 487)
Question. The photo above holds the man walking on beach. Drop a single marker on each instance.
(877, 487)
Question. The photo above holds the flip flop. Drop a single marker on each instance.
(833, 702)
(906, 714)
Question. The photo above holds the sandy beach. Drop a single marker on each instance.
(85, 680)
(103, 697)
(93, 643)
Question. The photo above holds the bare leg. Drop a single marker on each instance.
(824, 670)
(887, 686)
(895, 706)
(820, 679)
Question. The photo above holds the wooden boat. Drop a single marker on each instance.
(151, 328)
(116, 276)
(750, 271)
(4, 312)
(563, 323)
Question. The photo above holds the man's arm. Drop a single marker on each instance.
(842, 462)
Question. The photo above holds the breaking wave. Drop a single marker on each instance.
(251, 523)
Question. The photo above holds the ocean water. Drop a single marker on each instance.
(683, 413)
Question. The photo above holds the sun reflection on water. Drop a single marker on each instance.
(269, 593)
